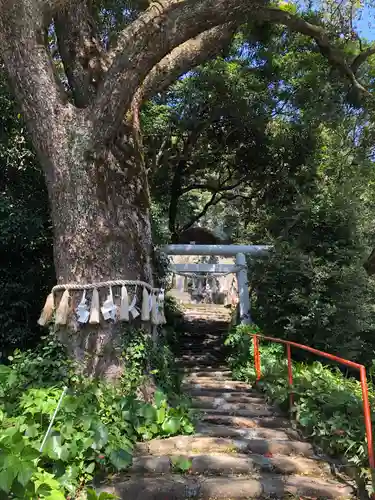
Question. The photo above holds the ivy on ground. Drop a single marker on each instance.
(96, 426)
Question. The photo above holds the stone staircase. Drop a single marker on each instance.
(243, 447)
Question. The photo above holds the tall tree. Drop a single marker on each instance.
(80, 70)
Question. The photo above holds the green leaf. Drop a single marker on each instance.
(91, 494)
(55, 495)
(29, 453)
(100, 436)
(120, 459)
(65, 452)
(181, 463)
(53, 447)
(188, 428)
(32, 431)
(159, 398)
(90, 468)
(160, 415)
(7, 477)
(107, 496)
(147, 411)
(171, 425)
(5, 370)
(25, 474)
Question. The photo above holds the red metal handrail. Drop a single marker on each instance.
(357, 366)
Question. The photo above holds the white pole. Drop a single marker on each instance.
(243, 289)
(52, 420)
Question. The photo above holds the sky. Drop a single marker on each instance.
(366, 25)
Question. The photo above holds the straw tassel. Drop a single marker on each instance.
(95, 308)
(47, 312)
(63, 310)
(145, 316)
(154, 310)
(124, 304)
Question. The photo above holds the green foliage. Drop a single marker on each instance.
(26, 270)
(174, 325)
(92, 495)
(313, 287)
(96, 426)
(327, 404)
(181, 464)
(145, 358)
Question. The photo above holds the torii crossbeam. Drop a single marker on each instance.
(240, 268)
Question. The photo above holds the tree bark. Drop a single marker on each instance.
(176, 191)
(100, 210)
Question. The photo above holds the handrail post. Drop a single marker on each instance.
(368, 425)
(256, 357)
(290, 375)
(363, 381)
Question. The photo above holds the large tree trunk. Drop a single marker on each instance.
(100, 213)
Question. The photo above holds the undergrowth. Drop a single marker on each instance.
(327, 404)
(96, 426)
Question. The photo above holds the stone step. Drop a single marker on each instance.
(226, 431)
(218, 405)
(187, 361)
(227, 397)
(199, 326)
(198, 348)
(227, 464)
(177, 487)
(205, 444)
(214, 355)
(208, 339)
(245, 422)
(222, 374)
(200, 352)
(196, 389)
(206, 383)
(207, 336)
(233, 410)
(199, 368)
(201, 347)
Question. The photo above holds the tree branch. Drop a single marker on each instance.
(184, 57)
(80, 50)
(361, 58)
(334, 55)
(206, 187)
(154, 34)
(31, 71)
(169, 23)
(212, 202)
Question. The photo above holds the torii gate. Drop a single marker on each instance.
(240, 268)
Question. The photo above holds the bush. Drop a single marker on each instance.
(313, 288)
(174, 326)
(95, 428)
(327, 405)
